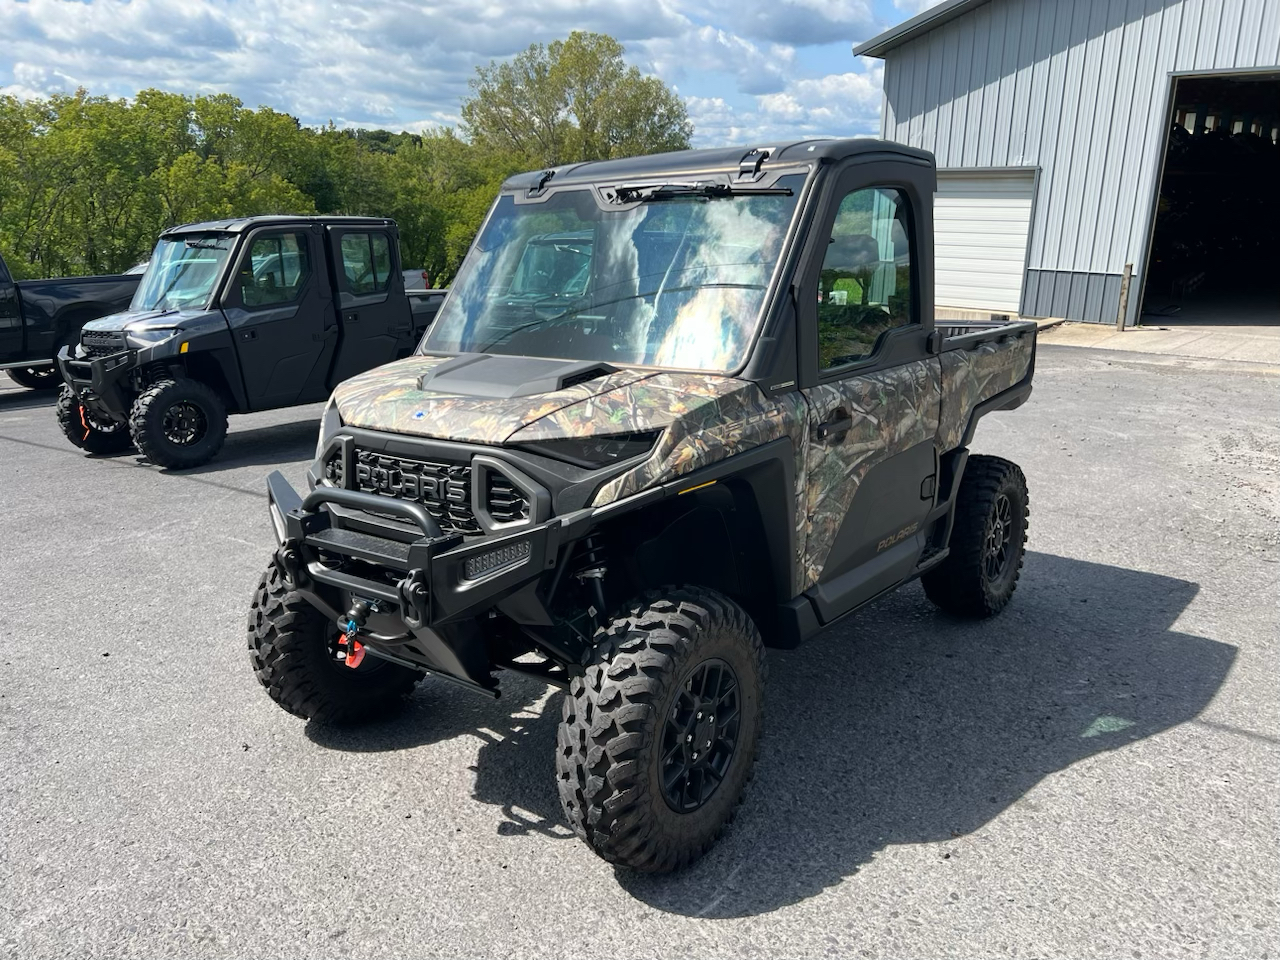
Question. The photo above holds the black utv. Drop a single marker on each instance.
(674, 410)
(236, 316)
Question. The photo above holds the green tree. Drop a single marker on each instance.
(573, 100)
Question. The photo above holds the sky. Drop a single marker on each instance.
(750, 71)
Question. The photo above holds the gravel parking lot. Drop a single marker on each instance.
(1094, 773)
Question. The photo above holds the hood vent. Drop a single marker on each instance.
(498, 377)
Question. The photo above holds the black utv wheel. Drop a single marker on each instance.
(178, 423)
(89, 433)
(294, 652)
(658, 738)
(36, 377)
(988, 541)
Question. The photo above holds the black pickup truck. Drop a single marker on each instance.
(37, 317)
(237, 316)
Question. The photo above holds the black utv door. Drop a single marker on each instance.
(280, 311)
(376, 325)
(873, 394)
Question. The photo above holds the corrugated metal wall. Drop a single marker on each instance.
(1078, 88)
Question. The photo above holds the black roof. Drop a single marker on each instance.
(716, 160)
(241, 224)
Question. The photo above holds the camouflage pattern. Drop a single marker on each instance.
(706, 418)
(892, 410)
(388, 398)
(972, 376)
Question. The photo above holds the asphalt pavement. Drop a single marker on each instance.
(1093, 773)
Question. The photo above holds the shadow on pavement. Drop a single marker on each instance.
(24, 399)
(903, 726)
(268, 445)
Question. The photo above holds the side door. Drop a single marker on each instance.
(280, 311)
(873, 393)
(373, 309)
(10, 318)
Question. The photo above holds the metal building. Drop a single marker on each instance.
(1074, 137)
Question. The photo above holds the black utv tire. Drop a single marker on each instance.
(289, 649)
(988, 541)
(86, 431)
(36, 376)
(626, 757)
(178, 423)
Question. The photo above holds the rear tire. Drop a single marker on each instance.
(86, 431)
(290, 651)
(649, 775)
(988, 541)
(178, 423)
(36, 377)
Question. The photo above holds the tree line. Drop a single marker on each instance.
(88, 182)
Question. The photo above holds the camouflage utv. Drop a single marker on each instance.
(674, 410)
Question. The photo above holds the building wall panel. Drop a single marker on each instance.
(1078, 88)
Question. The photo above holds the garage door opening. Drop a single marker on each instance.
(1215, 248)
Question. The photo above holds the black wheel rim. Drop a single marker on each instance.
(998, 547)
(700, 736)
(184, 424)
(100, 424)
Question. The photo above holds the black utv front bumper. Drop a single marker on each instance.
(425, 593)
(101, 383)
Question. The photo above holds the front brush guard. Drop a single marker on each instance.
(436, 595)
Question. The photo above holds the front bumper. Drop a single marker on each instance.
(425, 591)
(100, 383)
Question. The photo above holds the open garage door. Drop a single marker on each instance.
(981, 222)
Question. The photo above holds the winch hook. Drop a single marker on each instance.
(351, 650)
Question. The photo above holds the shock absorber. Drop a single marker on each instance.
(593, 569)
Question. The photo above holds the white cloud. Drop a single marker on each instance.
(912, 7)
(405, 64)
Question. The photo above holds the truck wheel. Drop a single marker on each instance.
(988, 541)
(37, 377)
(89, 433)
(178, 423)
(658, 738)
(293, 650)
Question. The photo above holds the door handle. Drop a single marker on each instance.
(249, 335)
(399, 328)
(325, 335)
(833, 428)
(351, 317)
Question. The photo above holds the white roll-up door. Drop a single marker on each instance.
(981, 223)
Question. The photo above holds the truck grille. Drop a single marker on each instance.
(95, 343)
(443, 488)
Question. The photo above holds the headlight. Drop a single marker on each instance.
(330, 423)
(151, 335)
(596, 452)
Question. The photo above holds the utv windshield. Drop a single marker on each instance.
(182, 272)
(675, 281)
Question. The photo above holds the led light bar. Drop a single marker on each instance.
(476, 567)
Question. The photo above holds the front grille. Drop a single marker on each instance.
(443, 488)
(95, 343)
(505, 501)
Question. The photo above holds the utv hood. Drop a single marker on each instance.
(482, 398)
(189, 321)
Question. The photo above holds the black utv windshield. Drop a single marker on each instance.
(676, 281)
(182, 272)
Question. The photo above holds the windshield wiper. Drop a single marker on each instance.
(706, 189)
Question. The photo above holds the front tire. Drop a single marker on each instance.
(178, 423)
(36, 377)
(988, 541)
(658, 738)
(292, 651)
(91, 434)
